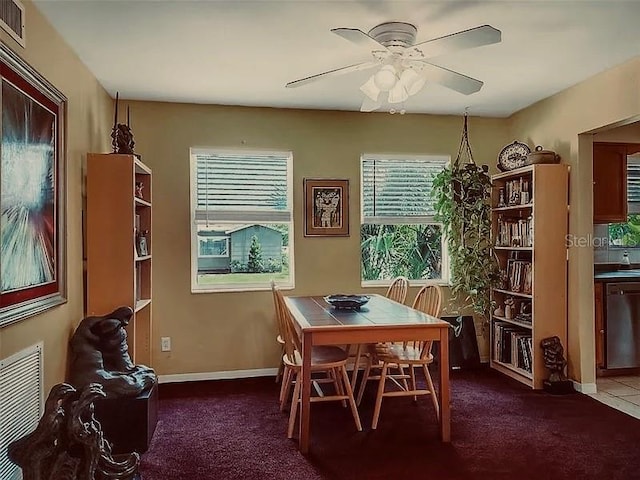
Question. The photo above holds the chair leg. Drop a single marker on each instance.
(412, 373)
(337, 380)
(356, 366)
(285, 387)
(352, 401)
(403, 378)
(294, 404)
(280, 367)
(376, 410)
(365, 379)
(433, 392)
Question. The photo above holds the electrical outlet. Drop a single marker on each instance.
(165, 344)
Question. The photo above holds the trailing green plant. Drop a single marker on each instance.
(462, 204)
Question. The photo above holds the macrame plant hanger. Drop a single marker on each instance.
(464, 153)
(465, 146)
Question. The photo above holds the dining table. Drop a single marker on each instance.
(317, 322)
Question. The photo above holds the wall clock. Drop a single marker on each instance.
(513, 156)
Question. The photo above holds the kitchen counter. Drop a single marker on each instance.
(617, 275)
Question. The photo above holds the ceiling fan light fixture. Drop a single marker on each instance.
(398, 93)
(370, 89)
(385, 78)
(411, 81)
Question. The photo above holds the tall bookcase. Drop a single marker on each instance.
(118, 266)
(530, 222)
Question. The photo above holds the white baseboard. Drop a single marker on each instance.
(228, 375)
(586, 388)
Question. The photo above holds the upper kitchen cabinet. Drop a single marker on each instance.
(610, 181)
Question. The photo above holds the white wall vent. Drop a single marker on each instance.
(21, 401)
(12, 20)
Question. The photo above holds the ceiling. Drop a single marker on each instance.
(244, 52)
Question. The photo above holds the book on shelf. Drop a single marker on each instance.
(519, 276)
(517, 192)
(514, 232)
(512, 346)
(138, 282)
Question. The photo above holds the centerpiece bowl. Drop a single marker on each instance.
(347, 302)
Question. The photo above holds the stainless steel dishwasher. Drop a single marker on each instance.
(622, 325)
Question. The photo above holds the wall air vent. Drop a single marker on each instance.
(12, 19)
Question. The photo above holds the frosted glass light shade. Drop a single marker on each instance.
(411, 81)
(370, 89)
(398, 93)
(385, 78)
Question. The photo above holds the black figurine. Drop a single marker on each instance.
(99, 354)
(553, 356)
(121, 134)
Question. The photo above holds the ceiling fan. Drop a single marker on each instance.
(404, 66)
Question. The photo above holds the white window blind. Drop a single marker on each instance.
(398, 187)
(633, 184)
(242, 186)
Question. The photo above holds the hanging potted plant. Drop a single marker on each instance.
(462, 193)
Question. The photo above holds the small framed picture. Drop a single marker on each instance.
(326, 207)
(142, 246)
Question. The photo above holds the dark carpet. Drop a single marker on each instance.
(233, 429)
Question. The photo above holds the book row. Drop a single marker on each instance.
(512, 345)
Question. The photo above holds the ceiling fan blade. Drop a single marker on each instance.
(450, 79)
(474, 37)
(332, 73)
(359, 38)
(369, 105)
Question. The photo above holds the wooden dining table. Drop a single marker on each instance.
(380, 320)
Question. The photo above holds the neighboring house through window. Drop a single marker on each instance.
(242, 219)
(398, 234)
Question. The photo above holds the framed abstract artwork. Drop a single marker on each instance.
(32, 191)
(326, 207)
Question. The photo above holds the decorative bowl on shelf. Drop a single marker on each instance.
(347, 302)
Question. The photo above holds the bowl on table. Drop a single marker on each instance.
(347, 302)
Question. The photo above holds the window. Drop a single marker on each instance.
(212, 246)
(628, 234)
(398, 235)
(242, 219)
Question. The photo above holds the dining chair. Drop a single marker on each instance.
(397, 292)
(408, 354)
(324, 358)
(279, 338)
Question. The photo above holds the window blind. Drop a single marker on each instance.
(242, 186)
(399, 187)
(633, 184)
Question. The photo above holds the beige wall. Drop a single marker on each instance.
(605, 99)
(216, 332)
(88, 128)
(229, 331)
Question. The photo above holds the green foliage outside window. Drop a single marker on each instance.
(626, 234)
(255, 264)
(388, 251)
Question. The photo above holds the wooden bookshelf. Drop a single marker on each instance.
(535, 275)
(117, 273)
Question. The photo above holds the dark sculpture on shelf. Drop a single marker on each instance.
(68, 443)
(553, 356)
(121, 134)
(99, 354)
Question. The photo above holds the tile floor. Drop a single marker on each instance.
(621, 393)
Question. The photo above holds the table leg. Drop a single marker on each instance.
(305, 404)
(445, 413)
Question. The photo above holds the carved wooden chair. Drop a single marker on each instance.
(331, 360)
